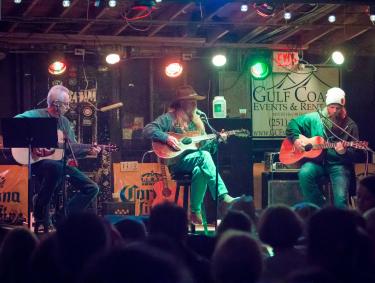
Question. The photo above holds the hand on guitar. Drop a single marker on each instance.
(223, 136)
(42, 152)
(299, 144)
(173, 142)
(340, 149)
(94, 150)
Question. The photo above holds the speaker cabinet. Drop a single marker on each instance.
(280, 188)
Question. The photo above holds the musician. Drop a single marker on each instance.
(183, 118)
(49, 172)
(334, 125)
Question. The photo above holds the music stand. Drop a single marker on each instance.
(29, 133)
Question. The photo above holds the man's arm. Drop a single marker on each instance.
(157, 130)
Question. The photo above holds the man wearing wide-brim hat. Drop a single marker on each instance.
(182, 118)
(335, 126)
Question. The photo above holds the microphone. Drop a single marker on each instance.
(111, 107)
(200, 113)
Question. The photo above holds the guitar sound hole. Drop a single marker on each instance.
(186, 140)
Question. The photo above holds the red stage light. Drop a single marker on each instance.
(173, 70)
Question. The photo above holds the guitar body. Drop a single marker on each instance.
(20, 155)
(290, 155)
(169, 155)
(162, 195)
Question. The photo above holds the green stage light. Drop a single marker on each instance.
(259, 69)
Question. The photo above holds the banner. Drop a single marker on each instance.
(136, 182)
(281, 97)
(13, 194)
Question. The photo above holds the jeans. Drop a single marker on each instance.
(49, 174)
(311, 173)
(203, 170)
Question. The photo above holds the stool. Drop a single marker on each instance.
(183, 180)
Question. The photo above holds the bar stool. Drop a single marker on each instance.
(183, 181)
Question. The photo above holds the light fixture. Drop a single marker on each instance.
(57, 64)
(112, 58)
(158, 1)
(66, 3)
(17, 1)
(372, 13)
(173, 69)
(219, 60)
(338, 57)
(332, 18)
(265, 9)
(97, 3)
(287, 15)
(244, 8)
(112, 3)
(260, 65)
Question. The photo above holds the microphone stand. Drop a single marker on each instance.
(218, 139)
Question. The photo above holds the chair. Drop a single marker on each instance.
(183, 181)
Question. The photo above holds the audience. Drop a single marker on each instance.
(237, 258)
(366, 194)
(15, 253)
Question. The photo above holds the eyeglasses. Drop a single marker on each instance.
(62, 103)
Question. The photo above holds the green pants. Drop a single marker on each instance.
(203, 170)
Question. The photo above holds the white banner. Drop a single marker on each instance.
(281, 97)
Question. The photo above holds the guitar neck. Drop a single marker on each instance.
(212, 136)
(163, 175)
(333, 144)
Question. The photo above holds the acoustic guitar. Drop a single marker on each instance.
(313, 148)
(21, 155)
(165, 190)
(169, 155)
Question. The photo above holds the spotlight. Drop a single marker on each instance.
(112, 58)
(219, 60)
(57, 64)
(332, 19)
(372, 13)
(174, 69)
(66, 3)
(112, 3)
(338, 58)
(264, 10)
(17, 1)
(244, 8)
(260, 66)
(158, 1)
(287, 15)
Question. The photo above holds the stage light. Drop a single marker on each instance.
(174, 69)
(66, 3)
(264, 10)
(17, 1)
(219, 60)
(338, 58)
(112, 58)
(57, 67)
(372, 13)
(260, 65)
(332, 19)
(244, 8)
(287, 15)
(97, 3)
(112, 3)
(158, 1)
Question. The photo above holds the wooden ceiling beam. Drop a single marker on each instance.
(171, 18)
(25, 14)
(62, 15)
(98, 16)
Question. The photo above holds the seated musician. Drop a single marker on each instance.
(183, 118)
(49, 172)
(334, 125)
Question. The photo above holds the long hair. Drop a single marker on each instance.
(182, 119)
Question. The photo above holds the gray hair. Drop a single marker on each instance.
(57, 92)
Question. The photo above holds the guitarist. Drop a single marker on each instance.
(49, 172)
(334, 125)
(182, 118)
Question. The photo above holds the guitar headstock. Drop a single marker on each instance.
(242, 133)
(360, 145)
(110, 147)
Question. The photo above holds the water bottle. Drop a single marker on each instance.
(219, 107)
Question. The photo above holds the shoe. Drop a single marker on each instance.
(226, 201)
(196, 218)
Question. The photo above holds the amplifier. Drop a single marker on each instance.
(118, 208)
(280, 167)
